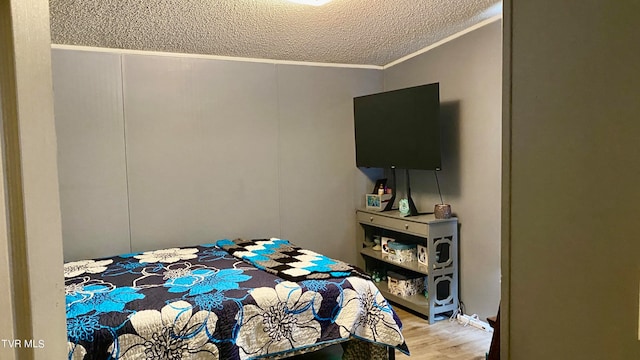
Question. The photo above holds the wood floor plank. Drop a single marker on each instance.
(443, 340)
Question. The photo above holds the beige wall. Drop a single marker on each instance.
(572, 108)
(6, 298)
(468, 69)
(30, 186)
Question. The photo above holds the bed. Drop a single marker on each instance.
(232, 299)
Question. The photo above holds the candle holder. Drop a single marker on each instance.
(442, 211)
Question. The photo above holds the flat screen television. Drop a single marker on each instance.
(399, 128)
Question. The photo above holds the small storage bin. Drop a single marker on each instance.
(405, 284)
(402, 253)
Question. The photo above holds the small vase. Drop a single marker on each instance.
(442, 211)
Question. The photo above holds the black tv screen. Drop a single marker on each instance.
(399, 128)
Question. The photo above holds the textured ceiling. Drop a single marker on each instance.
(369, 32)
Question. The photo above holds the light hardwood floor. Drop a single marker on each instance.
(443, 340)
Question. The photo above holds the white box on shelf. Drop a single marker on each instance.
(402, 253)
(405, 285)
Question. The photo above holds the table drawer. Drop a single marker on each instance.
(400, 225)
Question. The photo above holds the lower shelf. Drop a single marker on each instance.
(418, 303)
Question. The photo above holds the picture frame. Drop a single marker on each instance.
(373, 201)
(377, 202)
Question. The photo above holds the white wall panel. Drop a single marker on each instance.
(91, 153)
(202, 140)
(319, 183)
(219, 149)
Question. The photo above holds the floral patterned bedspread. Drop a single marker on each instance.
(202, 303)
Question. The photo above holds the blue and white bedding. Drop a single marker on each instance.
(201, 302)
(290, 262)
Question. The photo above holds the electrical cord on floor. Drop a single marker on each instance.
(458, 311)
(454, 316)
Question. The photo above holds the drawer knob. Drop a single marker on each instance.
(371, 218)
(406, 226)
